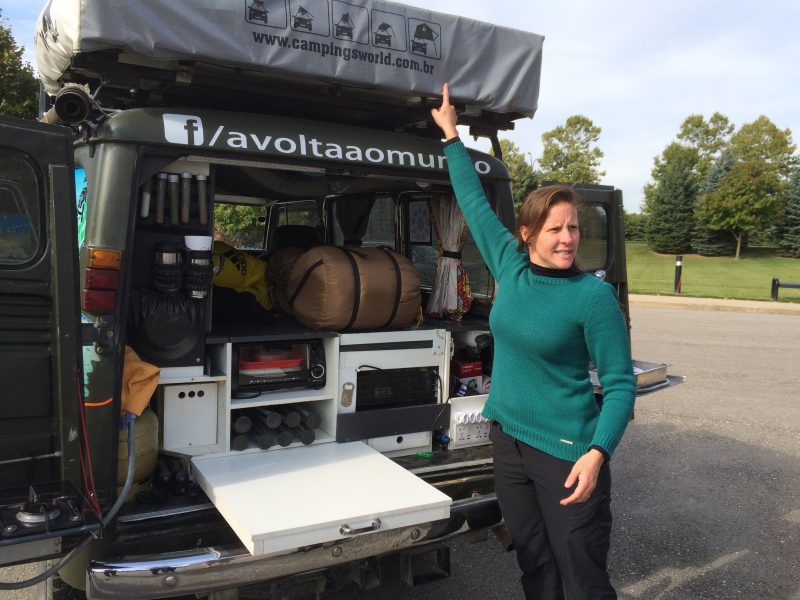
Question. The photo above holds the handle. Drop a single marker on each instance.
(345, 529)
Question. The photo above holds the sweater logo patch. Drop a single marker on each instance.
(566, 441)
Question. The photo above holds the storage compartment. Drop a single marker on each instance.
(391, 384)
(189, 415)
(277, 426)
(403, 445)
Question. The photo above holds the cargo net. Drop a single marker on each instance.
(396, 388)
(168, 277)
(199, 274)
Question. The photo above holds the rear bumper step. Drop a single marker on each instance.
(204, 569)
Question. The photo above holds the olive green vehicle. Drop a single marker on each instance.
(106, 222)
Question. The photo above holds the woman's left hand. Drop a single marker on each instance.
(584, 472)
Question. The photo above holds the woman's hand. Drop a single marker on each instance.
(445, 116)
(584, 472)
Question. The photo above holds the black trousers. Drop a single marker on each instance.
(562, 550)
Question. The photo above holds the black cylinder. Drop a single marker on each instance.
(310, 418)
(179, 474)
(304, 434)
(290, 416)
(262, 435)
(285, 436)
(163, 476)
(240, 442)
(242, 424)
(73, 104)
(678, 270)
(271, 418)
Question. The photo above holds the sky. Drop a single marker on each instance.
(637, 69)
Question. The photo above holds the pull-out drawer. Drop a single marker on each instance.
(278, 501)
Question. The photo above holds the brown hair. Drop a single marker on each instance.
(537, 205)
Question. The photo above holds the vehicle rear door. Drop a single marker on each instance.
(39, 327)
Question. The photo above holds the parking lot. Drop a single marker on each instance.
(706, 482)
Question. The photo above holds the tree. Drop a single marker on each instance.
(523, 178)
(790, 242)
(747, 198)
(570, 154)
(752, 196)
(635, 227)
(762, 142)
(707, 241)
(709, 138)
(19, 89)
(671, 207)
(239, 225)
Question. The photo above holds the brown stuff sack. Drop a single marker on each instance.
(354, 288)
(278, 274)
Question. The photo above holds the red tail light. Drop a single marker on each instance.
(102, 281)
(99, 301)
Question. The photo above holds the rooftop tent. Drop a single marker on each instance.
(424, 32)
(251, 55)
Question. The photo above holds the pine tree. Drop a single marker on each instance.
(671, 209)
(705, 241)
(790, 242)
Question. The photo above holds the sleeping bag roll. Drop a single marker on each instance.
(353, 289)
(278, 275)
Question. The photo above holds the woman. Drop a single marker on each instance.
(551, 441)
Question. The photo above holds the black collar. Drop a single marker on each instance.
(555, 273)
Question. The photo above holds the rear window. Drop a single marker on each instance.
(380, 230)
(593, 248)
(20, 210)
(240, 225)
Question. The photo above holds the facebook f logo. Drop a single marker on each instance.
(183, 129)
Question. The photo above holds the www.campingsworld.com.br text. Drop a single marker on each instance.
(345, 53)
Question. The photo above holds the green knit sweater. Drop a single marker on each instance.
(546, 330)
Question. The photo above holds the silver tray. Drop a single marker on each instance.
(648, 375)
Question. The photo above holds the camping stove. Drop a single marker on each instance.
(40, 515)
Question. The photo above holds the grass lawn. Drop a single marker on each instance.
(749, 278)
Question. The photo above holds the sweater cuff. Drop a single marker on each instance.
(451, 141)
(602, 451)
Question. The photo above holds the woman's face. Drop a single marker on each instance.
(556, 245)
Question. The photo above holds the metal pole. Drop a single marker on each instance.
(678, 270)
(775, 283)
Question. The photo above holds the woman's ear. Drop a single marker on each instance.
(525, 234)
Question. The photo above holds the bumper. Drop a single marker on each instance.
(205, 569)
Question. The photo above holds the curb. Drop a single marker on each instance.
(750, 306)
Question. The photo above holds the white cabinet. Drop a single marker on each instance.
(197, 413)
